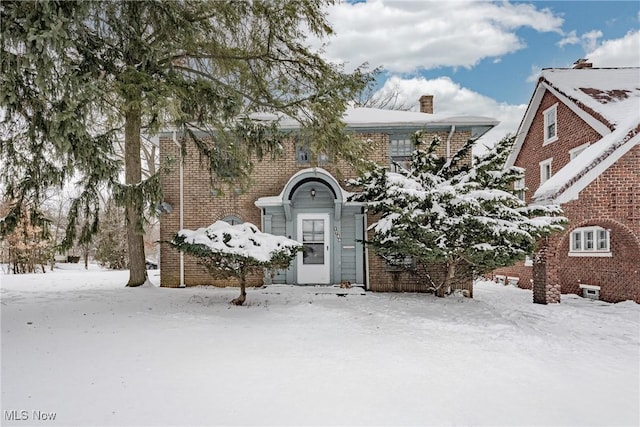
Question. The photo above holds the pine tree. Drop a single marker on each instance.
(111, 249)
(455, 220)
(237, 251)
(76, 76)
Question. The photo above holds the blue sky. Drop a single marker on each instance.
(480, 57)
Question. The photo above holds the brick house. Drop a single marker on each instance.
(579, 144)
(309, 204)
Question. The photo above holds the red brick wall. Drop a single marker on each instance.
(612, 201)
(572, 132)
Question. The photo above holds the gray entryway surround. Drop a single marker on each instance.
(316, 191)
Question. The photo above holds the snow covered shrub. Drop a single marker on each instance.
(454, 219)
(227, 250)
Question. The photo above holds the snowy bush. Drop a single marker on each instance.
(453, 219)
(227, 250)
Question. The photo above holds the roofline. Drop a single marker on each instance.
(534, 103)
(415, 125)
(587, 174)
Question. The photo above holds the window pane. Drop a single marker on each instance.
(603, 243)
(588, 240)
(302, 154)
(551, 130)
(577, 240)
(313, 253)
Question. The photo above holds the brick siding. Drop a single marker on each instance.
(268, 178)
(611, 201)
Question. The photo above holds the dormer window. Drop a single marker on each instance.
(576, 151)
(545, 170)
(550, 124)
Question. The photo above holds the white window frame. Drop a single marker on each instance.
(575, 152)
(543, 170)
(598, 237)
(551, 112)
(519, 188)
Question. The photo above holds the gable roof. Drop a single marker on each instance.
(608, 100)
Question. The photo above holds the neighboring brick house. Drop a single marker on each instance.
(310, 204)
(579, 144)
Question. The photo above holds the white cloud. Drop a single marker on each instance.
(535, 74)
(406, 36)
(590, 40)
(623, 52)
(570, 38)
(450, 99)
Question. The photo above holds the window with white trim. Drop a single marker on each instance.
(550, 124)
(576, 151)
(545, 170)
(590, 241)
(400, 151)
(518, 188)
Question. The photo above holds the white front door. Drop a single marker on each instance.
(313, 263)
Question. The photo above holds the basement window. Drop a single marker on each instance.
(233, 219)
(513, 281)
(590, 241)
(590, 291)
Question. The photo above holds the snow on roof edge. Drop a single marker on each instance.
(567, 183)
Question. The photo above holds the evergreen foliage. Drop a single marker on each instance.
(237, 251)
(111, 246)
(28, 247)
(453, 218)
(76, 76)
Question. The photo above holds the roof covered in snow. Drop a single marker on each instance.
(608, 100)
(362, 117)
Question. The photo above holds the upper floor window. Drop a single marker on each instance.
(400, 150)
(303, 155)
(576, 151)
(550, 124)
(545, 170)
(590, 241)
(518, 187)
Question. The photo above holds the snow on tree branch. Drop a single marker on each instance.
(454, 214)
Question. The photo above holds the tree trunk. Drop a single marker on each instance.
(449, 275)
(133, 210)
(243, 294)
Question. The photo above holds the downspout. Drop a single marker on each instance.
(367, 285)
(448, 148)
(175, 141)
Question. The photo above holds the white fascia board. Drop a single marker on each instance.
(525, 124)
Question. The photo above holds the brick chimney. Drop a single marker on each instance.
(426, 104)
(582, 63)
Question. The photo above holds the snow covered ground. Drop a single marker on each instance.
(80, 347)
